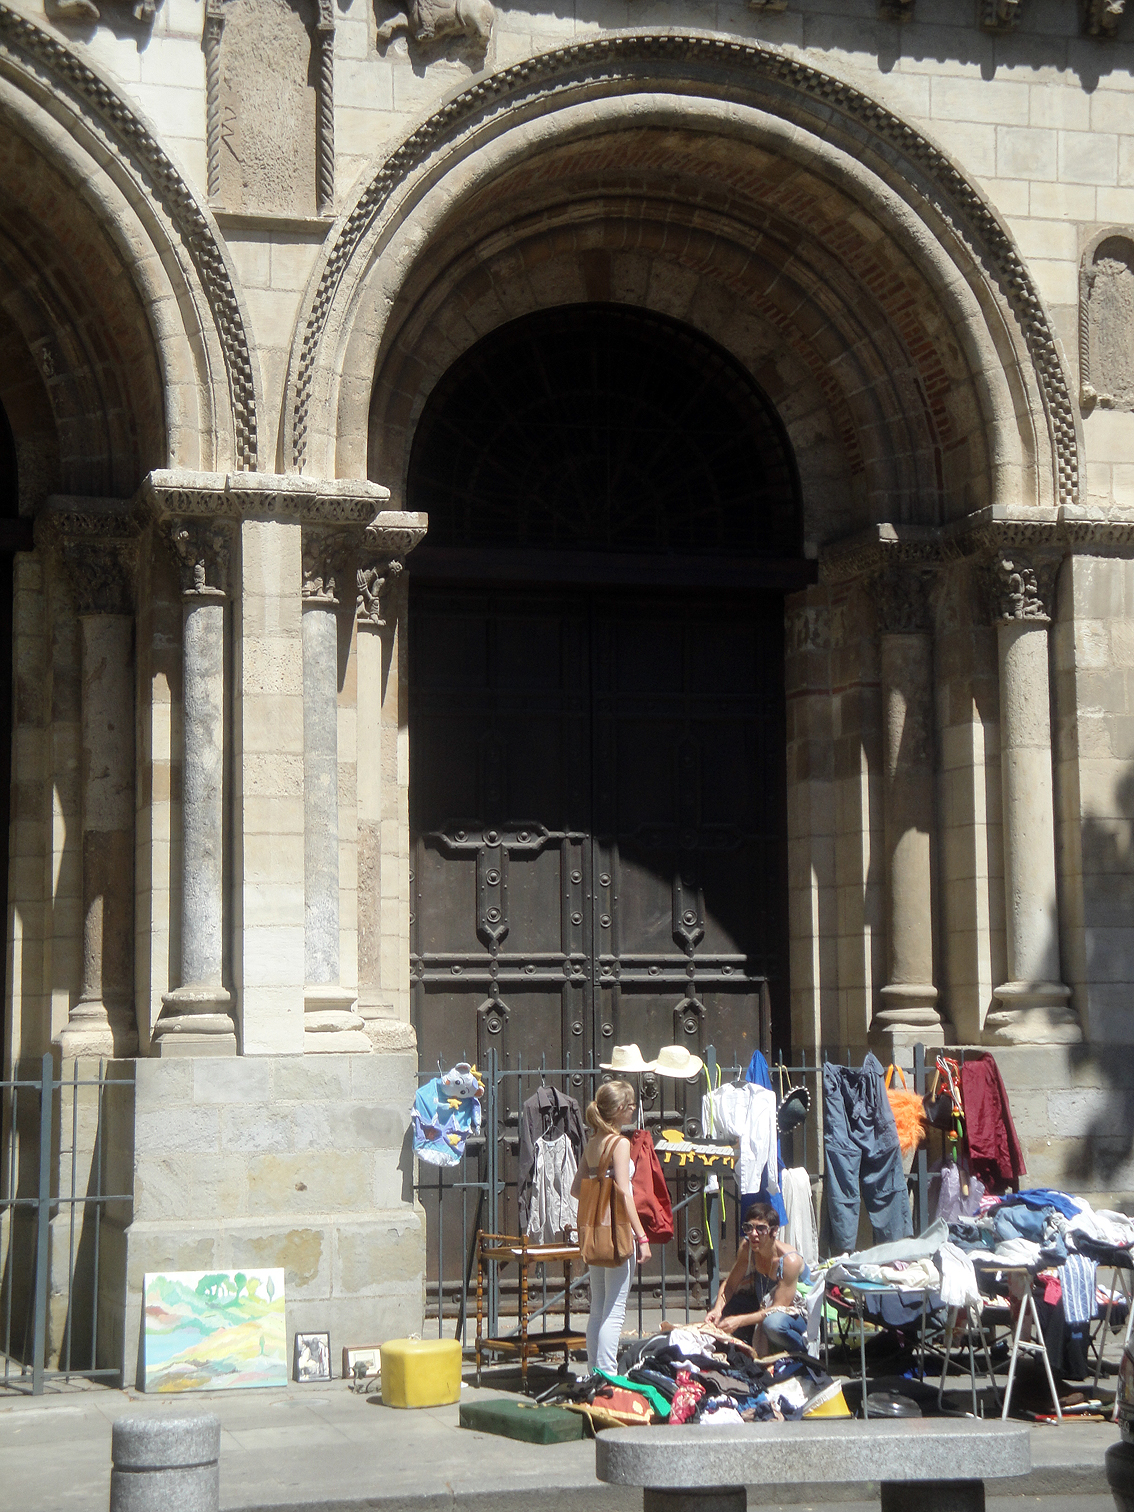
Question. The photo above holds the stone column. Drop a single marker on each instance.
(908, 1011)
(196, 1018)
(1032, 1006)
(330, 1021)
(101, 571)
(382, 819)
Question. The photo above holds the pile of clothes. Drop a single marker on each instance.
(698, 1374)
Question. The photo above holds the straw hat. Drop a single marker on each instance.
(675, 1060)
(626, 1058)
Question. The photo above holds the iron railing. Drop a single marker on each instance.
(49, 1315)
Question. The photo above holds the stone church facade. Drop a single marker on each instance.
(279, 281)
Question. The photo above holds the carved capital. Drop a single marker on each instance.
(1101, 18)
(202, 549)
(101, 574)
(902, 598)
(809, 628)
(372, 582)
(1023, 586)
(325, 557)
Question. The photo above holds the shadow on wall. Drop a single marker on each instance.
(1105, 1151)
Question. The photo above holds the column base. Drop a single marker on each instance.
(1032, 1013)
(195, 1020)
(908, 1016)
(95, 1029)
(330, 1024)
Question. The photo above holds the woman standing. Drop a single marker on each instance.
(607, 1153)
(761, 1295)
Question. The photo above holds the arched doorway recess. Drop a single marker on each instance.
(596, 693)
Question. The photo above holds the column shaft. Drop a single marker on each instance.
(103, 1022)
(1032, 1005)
(195, 1018)
(330, 1021)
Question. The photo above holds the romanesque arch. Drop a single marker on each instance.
(733, 177)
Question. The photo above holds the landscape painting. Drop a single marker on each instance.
(214, 1330)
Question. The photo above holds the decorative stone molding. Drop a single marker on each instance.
(1101, 18)
(429, 20)
(741, 69)
(902, 599)
(37, 52)
(879, 548)
(1024, 587)
(1000, 15)
(211, 46)
(202, 549)
(1106, 322)
(345, 501)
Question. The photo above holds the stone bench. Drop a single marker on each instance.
(923, 1465)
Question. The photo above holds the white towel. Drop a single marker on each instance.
(802, 1231)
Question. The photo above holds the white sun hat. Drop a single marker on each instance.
(626, 1058)
(675, 1060)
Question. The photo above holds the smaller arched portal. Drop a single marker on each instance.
(596, 686)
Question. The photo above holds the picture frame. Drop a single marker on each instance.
(361, 1363)
(312, 1360)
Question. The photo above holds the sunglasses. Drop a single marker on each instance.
(757, 1228)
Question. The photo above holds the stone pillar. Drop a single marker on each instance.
(101, 571)
(382, 812)
(330, 1021)
(1031, 1007)
(196, 1018)
(908, 1002)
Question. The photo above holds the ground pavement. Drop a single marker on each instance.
(319, 1447)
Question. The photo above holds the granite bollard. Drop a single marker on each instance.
(165, 1462)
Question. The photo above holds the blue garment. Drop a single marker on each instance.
(1018, 1223)
(1080, 1298)
(758, 1071)
(442, 1124)
(1042, 1197)
(758, 1074)
(860, 1143)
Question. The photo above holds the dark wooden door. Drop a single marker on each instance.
(596, 791)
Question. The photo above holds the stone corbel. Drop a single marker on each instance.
(1100, 18)
(1000, 15)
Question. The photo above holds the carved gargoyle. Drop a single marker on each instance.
(428, 20)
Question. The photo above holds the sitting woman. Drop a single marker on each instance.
(760, 1296)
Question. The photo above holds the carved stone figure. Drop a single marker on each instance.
(1101, 17)
(1106, 325)
(427, 20)
(999, 15)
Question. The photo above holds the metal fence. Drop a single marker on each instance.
(481, 1193)
(52, 1203)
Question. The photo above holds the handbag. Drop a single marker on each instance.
(794, 1105)
(605, 1237)
(651, 1195)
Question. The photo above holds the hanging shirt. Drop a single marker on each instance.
(551, 1207)
(548, 1112)
(746, 1113)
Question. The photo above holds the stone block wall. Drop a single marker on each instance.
(299, 1162)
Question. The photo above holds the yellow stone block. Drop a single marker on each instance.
(421, 1372)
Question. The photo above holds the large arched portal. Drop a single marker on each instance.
(597, 726)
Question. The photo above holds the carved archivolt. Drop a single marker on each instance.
(33, 49)
(1106, 323)
(612, 62)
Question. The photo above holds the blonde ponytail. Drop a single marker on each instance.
(609, 1100)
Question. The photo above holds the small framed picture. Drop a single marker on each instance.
(362, 1363)
(312, 1357)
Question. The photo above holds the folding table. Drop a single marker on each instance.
(989, 1265)
(1123, 1274)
